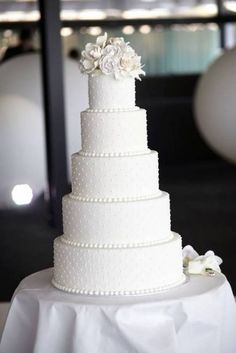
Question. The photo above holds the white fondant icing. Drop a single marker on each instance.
(115, 177)
(119, 293)
(112, 110)
(105, 92)
(131, 222)
(115, 199)
(65, 240)
(112, 154)
(118, 270)
(114, 132)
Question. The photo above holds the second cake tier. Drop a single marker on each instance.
(114, 132)
(117, 223)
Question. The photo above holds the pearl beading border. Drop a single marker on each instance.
(114, 154)
(112, 110)
(114, 199)
(116, 246)
(121, 292)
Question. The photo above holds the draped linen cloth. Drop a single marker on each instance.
(198, 316)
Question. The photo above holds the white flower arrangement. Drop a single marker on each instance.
(200, 264)
(111, 56)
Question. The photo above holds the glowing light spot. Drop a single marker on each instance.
(22, 194)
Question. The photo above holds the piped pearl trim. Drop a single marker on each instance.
(112, 110)
(119, 293)
(115, 199)
(116, 246)
(113, 154)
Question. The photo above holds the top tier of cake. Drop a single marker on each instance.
(107, 93)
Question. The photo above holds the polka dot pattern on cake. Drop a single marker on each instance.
(114, 222)
(105, 92)
(118, 177)
(160, 267)
(120, 133)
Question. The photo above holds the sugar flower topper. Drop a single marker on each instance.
(111, 56)
(204, 264)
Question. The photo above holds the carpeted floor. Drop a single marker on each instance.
(203, 211)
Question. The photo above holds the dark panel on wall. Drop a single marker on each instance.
(171, 127)
(53, 107)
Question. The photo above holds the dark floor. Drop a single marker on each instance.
(203, 211)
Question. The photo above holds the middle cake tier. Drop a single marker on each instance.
(117, 223)
(123, 178)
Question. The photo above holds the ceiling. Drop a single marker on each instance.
(27, 10)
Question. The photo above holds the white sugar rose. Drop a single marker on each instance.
(109, 64)
(90, 57)
(130, 63)
(111, 56)
(101, 40)
(117, 41)
(87, 66)
(93, 51)
(112, 50)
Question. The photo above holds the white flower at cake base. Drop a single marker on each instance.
(111, 56)
(200, 264)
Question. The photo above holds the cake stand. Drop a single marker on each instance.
(198, 316)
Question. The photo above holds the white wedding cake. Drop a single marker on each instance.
(117, 238)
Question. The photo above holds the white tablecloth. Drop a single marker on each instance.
(196, 317)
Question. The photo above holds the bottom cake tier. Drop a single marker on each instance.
(118, 271)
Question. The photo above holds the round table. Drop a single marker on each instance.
(199, 316)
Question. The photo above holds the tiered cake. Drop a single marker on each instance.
(117, 237)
